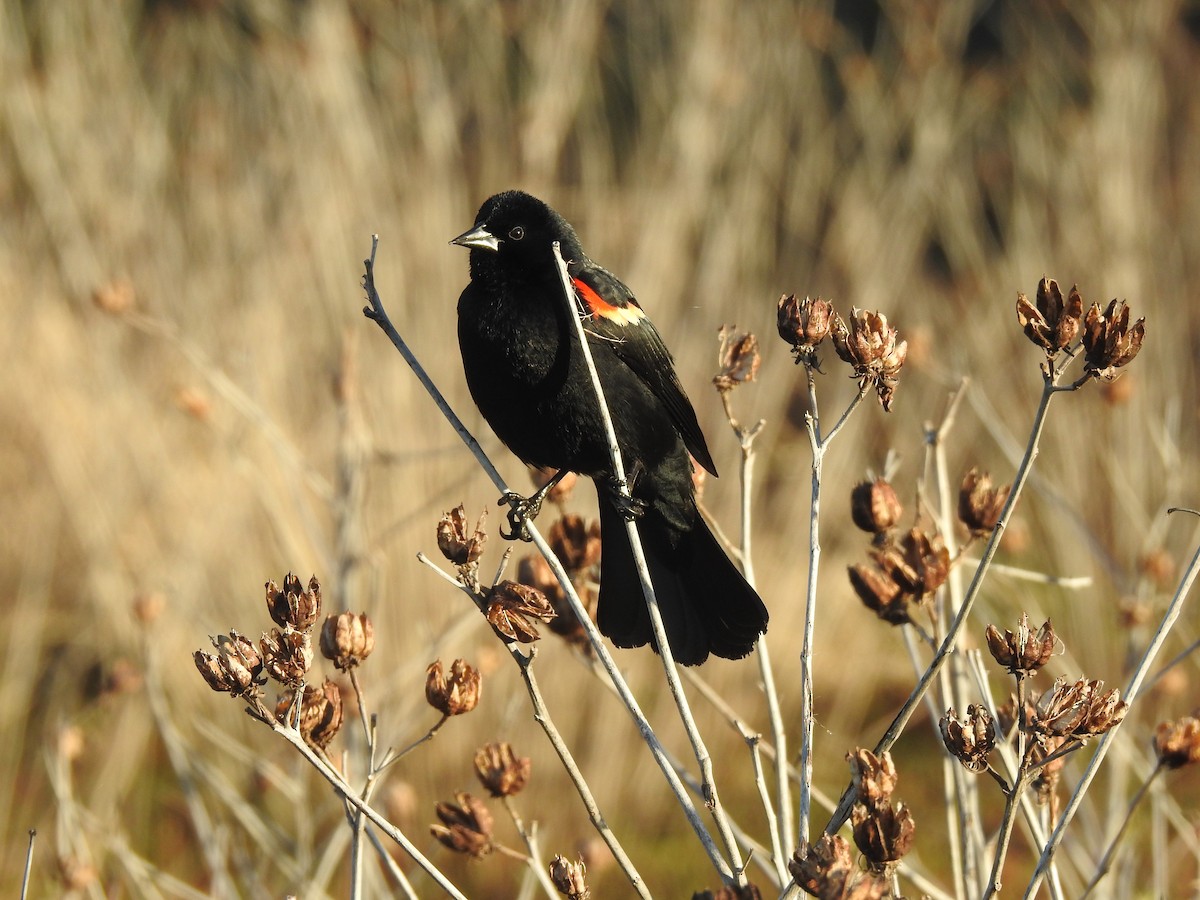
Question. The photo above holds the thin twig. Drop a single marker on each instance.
(541, 715)
(28, 863)
(1106, 861)
(529, 836)
(783, 835)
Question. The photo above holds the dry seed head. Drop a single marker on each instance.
(882, 832)
(235, 669)
(871, 346)
(969, 740)
(287, 655)
(1079, 709)
(500, 770)
(874, 776)
(575, 543)
(568, 878)
(1023, 650)
(466, 826)
(294, 608)
(455, 539)
(1177, 744)
(827, 870)
(1054, 322)
(347, 639)
(1109, 341)
(980, 503)
(453, 694)
(874, 506)
(738, 359)
(804, 324)
(320, 712)
(511, 607)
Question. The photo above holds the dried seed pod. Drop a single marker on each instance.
(575, 542)
(294, 608)
(969, 740)
(1177, 744)
(871, 346)
(804, 324)
(287, 655)
(347, 639)
(874, 506)
(568, 878)
(320, 712)
(883, 833)
(738, 358)
(512, 607)
(980, 503)
(466, 826)
(500, 770)
(1109, 341)
(457, 542)
(236, 668)
(1024, 650)
(874, 776)
(1054, 322)
(453, 694)
(827, 869)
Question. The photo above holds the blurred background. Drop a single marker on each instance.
(192, 402)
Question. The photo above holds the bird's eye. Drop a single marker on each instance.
(517, 233)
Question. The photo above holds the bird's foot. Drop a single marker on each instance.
(521, 511)
(629, 506)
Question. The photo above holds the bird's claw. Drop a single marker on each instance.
(521, 511)
(630, 508)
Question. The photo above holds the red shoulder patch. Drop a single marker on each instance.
(598, 306)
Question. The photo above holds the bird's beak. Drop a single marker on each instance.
(478, 238)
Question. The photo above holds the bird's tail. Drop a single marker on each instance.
(706, 604)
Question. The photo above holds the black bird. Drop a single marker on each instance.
(528, 377)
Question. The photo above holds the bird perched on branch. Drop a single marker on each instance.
(527, 375)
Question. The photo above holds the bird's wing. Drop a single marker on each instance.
(613, 315)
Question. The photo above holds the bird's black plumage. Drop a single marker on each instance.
(528, 378)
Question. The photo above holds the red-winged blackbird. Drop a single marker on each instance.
(528, 378)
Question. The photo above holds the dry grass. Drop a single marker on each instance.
(227, 162)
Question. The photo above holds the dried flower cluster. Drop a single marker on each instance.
(884, 833)
(1078, 709)
(980, 503)
(1109, 341)
(902, 575)
(512, 609)
(873, 348)
(455, 693)
(737, 359)
(828, 870)
(804, 324)
(347, 639)
(285, 654)
(1177, 744)
(569, 878)
(969, 740)
(874, 506)
(236, 668)
(500, 770)
(457, 541)
(320, 712)
(1024, 650)
(1054, 322)
(466, 826)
